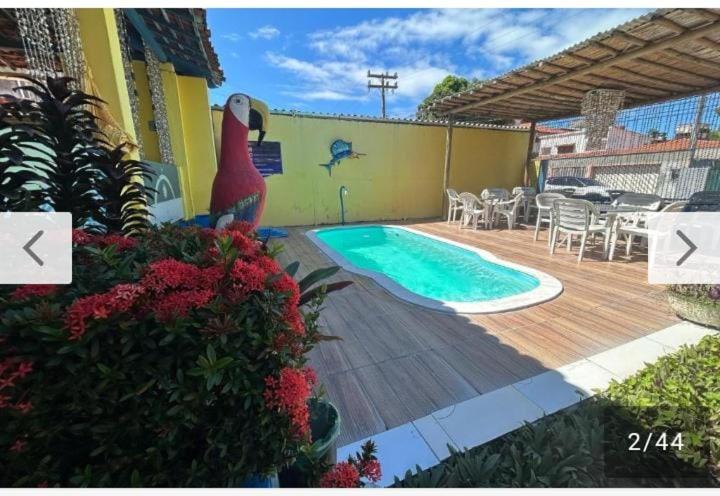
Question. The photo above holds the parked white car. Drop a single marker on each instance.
(578, 187)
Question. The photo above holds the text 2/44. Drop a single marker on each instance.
(660, 441)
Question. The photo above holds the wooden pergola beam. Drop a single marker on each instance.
(689, 58)
(677, 70)
(653, 79)
(596, 66)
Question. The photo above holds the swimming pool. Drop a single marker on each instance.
(434, 272)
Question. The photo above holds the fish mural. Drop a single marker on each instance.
(340, 150)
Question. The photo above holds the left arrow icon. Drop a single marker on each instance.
(29, 244)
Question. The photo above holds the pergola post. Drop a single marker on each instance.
(448, 155)
(528, 156)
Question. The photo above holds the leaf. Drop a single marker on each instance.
(292, 268)
(324, 289)
(211, 354)
(317, 276)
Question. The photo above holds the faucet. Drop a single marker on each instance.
(342, 193)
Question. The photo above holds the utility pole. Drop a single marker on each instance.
(383, 85)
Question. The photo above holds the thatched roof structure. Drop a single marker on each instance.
(667, 54)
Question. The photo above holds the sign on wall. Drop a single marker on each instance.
(266, 157)
(166, 201)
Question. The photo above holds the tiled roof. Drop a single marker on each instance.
(675, 145)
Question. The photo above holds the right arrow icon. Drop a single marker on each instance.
(691, 249)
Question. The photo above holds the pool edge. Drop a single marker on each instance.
(549, 287)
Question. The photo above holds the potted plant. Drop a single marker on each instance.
(314, 459)
(699, 303)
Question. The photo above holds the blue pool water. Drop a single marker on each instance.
(426, 266)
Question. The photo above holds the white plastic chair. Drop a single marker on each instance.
(575, 217)
(491, 196)
(528, 195)
(472, 211)
(632, 226)
(544, 202)
(455, 205)
(638, 201)
(508, 209)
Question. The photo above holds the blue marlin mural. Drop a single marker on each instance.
(340, 150)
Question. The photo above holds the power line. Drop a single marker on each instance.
(383, 86)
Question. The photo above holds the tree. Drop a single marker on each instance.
(448, 86)
(451, 84)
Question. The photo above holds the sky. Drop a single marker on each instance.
(317, 59)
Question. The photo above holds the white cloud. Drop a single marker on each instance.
(265, 32)
(233, 37)
(426, 46)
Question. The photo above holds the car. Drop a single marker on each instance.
(579, 187)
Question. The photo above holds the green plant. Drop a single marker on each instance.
(577, 447)
(177, 358)
(56, 157)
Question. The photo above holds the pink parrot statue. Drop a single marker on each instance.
(239, 188)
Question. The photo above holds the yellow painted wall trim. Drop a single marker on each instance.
(199, 140)
(101, 46)
(173, 107)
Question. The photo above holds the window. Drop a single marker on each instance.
(566, 149)
(545, 150)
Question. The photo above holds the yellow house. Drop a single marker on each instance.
(152, 67)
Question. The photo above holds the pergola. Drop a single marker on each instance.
(666, 54)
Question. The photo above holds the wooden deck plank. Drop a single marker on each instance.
(397, 362)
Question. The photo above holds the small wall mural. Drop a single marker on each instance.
(340, 150)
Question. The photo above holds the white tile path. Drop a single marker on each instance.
(481, 419)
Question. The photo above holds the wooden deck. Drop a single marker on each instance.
(398, 362)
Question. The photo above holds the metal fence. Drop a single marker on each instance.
(671, 149)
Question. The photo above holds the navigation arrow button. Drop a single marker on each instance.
(29, 244)
(690, 251)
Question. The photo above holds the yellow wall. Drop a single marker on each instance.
(101, 47)
(400, 177)
(199, 140)
(191, 135)
(149, 136)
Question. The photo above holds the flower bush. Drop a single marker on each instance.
(359, 470)
(175, 359)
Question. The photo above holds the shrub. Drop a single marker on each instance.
(174, 359)
(55, 157)
(578, 446)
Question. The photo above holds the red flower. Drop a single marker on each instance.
(120, 298)
(289, 393)
(294, 320)
(92, 306)
(245, 246)
(23, 407)
(286, 284)
(370, 469)
(18, 446)
(268, 264)
(121, 242)
(210, 277)
(80, 237)
(32, 290)
(249, 276)
(242, 226)
(179, 303)
(170, 274)
(343, 474)
(12, 369)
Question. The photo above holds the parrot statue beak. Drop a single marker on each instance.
(259, 118)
